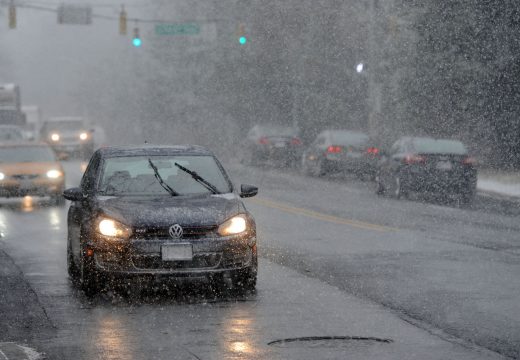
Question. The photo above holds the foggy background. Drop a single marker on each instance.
(431, 67)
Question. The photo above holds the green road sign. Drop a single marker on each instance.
(177, 29)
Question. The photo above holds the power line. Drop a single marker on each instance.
(39, 6)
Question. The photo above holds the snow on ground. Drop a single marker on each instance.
(500, 183)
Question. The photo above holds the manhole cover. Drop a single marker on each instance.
(328, 342)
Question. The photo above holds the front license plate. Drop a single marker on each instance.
(444, 165)
(177, 252)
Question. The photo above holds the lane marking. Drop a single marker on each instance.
(321, 216)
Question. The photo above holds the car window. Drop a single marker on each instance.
(439, 146)
(349, 138)
(133, 175)
(17, 154)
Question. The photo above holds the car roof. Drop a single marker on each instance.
(11, 144)
(150, 149)
(64, 118)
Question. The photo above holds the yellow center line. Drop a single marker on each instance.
(321, 216)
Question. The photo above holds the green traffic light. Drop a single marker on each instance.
(242, 40)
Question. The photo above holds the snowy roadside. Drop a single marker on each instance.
(500, 183)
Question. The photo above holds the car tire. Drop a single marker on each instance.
(467, 198)
(71, 266)
(89, 279)
(380, 188)
(58, 200)
(319, 169)
(397, 188)
(305, 167)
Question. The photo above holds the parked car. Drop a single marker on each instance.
(159, 213)
(341, 150)
(11, 133)
(273, 143)
(68, 136)
(30, 169)
(423, 164)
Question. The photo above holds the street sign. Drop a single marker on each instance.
(177, 29)
(75, 14)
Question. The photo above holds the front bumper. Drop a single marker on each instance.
(211, 256)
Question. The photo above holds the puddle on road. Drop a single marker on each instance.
(336, 342)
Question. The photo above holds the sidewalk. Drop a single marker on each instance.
(499, 182)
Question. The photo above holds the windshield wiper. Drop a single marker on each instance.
(199, 179)
(161, 181)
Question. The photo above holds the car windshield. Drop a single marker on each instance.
(65, 125)
(439, 146)
(348, 138)
(277, 131)
(17, 154)
(10, 133)
(133, 175)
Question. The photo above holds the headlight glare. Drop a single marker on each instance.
(112, 228)
(2, 176)
(54, 174)
(55, 137)
(233, 226)
(83, 136)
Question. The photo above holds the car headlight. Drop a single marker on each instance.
(113, 228)
(55, 137)
(2, 176)
(54, 174)
(83, 136)
(233, 226)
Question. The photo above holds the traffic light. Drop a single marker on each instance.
(136, 41)
(241, 33)
(122, 21)
(12, 15)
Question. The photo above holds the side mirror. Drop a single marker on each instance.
(248, 191)
(73, 194)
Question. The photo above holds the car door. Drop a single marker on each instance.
(80, 211)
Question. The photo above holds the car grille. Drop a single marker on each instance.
(200, 261)
(25, 176)
(195, 232)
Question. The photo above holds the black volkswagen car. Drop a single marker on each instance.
(159, 212)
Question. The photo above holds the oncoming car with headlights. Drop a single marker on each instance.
(159, 212)
(30, 169)
(68, 136)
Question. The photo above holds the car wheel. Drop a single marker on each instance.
(467, 198)
(71, 267)
(380, 188)
(319, 169)
(58, 200)
(305, 167)
(89, 280)
(397, 188)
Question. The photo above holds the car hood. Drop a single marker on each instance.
(165, 211)
(29, 168)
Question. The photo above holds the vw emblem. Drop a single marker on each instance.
(175, 231)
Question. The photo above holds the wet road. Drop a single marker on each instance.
(407, 280)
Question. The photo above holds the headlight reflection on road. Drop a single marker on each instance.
(238, 333)
(27, 203)
(112, 338)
